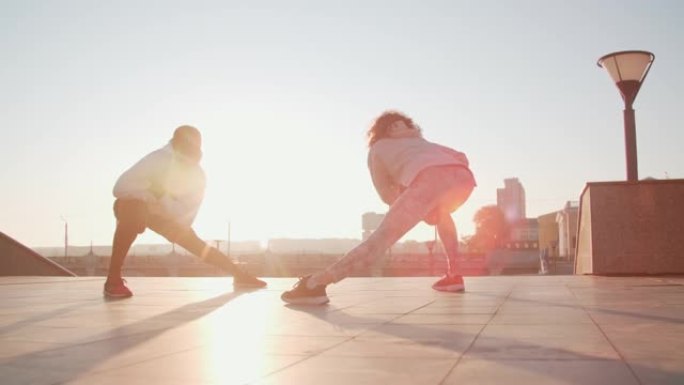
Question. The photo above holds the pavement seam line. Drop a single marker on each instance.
(458, 360)
(603, 333)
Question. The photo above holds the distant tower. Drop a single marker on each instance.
(511, 200)
(369, 222)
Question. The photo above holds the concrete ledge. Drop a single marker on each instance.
(631, 228)
(17, 259)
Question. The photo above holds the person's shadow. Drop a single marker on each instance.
(493, 349)
(78, 357)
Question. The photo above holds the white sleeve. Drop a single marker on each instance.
(139, 181)
(184, 208)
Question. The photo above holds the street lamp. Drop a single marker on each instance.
(628, 69)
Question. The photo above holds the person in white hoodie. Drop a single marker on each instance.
(163, 192)
(420, 181)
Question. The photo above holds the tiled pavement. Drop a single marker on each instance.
(503, 330)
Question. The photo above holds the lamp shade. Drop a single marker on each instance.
(628, 69)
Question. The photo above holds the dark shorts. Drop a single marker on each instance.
(133, 215)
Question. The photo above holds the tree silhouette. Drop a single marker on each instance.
(491, 230)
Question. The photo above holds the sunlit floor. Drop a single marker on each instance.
(503, 330)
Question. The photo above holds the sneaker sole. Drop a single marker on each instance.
(248, 285)
(112, 295)
(450, 288)
(307, 301)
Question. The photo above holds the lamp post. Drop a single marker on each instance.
(228, 243)
(628, 69)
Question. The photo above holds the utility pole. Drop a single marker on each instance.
(228, 243)
(66, 236)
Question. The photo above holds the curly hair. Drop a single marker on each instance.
(380, 127)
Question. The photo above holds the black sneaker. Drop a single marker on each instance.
(302, 295)
(247, 281)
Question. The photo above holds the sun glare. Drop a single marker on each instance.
(236, 339)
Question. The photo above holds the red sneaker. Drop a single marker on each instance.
(450, 284)
(116, 288)
(247, 281)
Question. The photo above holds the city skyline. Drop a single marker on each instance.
(283, 94)
(509, 197)
(277, 246)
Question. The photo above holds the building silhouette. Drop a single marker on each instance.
(369, 222)
(567, 230)
(558, 238)
(511, 200)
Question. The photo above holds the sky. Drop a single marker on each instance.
(283, 92)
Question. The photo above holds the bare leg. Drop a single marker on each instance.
(123, 239)
(188, 239)
(208, 254)
(449, 237)
(131, 217)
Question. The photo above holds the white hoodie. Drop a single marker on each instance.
(172, 186)
(395, 161)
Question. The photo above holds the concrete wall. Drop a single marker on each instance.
(631, 228)
(583, 253)
(17, 259)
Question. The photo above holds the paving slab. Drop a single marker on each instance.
(505, 329)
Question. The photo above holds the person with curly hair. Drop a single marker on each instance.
(420, 181)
